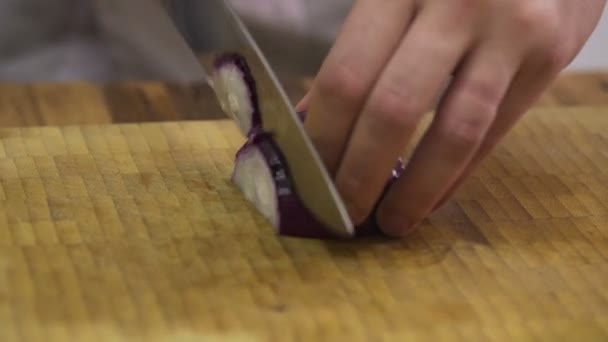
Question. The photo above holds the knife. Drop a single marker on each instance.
(214, 26)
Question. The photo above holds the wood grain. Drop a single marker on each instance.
(133, 232)
(582, 88)
(129, 102)
(118, 223)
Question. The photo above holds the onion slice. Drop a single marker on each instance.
(235, 90)
(261, 174)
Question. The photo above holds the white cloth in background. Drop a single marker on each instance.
(42, 40)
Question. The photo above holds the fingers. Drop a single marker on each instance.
(461, 124)
(366, 102)
(405, 91)
(544, 59)
(526, 88)
(349, 72)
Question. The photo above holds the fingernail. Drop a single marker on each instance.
(348, 188)
(356, 215)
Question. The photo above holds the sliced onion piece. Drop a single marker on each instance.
(261, 174)
(235, 90)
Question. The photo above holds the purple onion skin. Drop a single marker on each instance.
(234, 59)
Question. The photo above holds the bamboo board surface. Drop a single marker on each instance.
(25, 105)
(133, 232)
(110, 234)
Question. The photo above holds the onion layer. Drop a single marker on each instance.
(236, 91)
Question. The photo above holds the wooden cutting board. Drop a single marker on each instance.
(133, 232)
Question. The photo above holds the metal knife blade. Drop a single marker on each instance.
(213, 25)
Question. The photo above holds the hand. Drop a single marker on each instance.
(390, 63)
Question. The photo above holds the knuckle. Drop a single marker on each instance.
(537, 20)
(484, 95)
(395, 110)
(459, 14)
(526, 15)
(468, 8)
(341, 82)
(463, 131)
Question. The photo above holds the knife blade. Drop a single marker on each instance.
(213, 25)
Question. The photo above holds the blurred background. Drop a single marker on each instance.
(594, 56)
(107, 40)
(316, 23)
